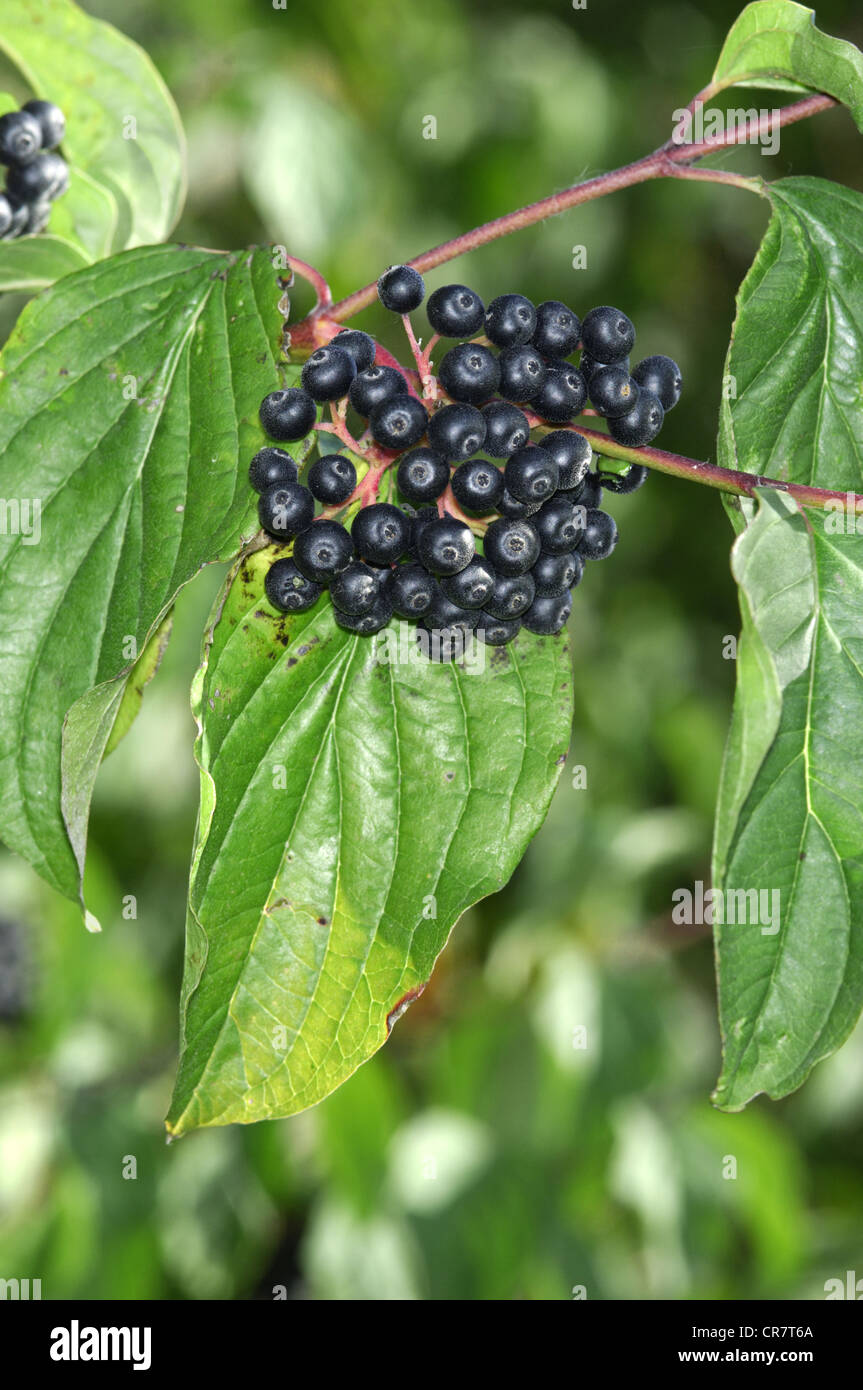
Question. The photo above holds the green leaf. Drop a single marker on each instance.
(790, 817)
(775, 44)
(123, 130)
(37, 261)
(128, 410)
(352, 808)
(142, 673)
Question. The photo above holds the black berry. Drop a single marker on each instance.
(445, 615)
(454, 311)
(381, 533)
(469, 372)
(557, 526)
(370, 388)
(456, 431)
(547, 616)
(622, 483)
(328, 373)
(662, 376)
(641, 424)
(364, 624)
(522, 372)
(572, 454)
(510, 506)
(361, 346)
(399, 422)
(557, 329)
(496, 632)
(44, 177)
(512, 546)
(598, 535)
(20, 138)
(412, 590)
(506, 429)
(477, 485)
(512, 594)
(446, 546)
(332, 479)
(271, 468)
(554, 574)
(286, 510)
(472, 586)
(356, 589)
(288, 414)
(510, 319)
(613, 392)
(401, 289)
(422, 475)
(562, 395)
(52, 122)
(588, 365)
(322, 550)
(288, 590)
(6, 213)
(531, 474)
(588, 493)
(607, 335)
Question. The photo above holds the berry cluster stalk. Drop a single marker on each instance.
(671, 160)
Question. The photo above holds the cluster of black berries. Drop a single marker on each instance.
(37, 174)
(538, 512)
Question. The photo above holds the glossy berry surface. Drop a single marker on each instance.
(472, 586)
(469, 372)
(446, 546)
(531, 474)
(422, 475)
(641, 424)
(589, 491)
(285, 511)
(322, 550)
(557, 526)
(547, 616)
(455, 311)
(356, 588)
(512, 594)
(477, 486)
(381, 533)
(371, 387)
(20, 137)
(511, 546)
(411, 591)
(51, 121)
(607, 335)
(444, 614)
(328, 373)
(506, 429)
(662, 376)
(456, 431)
(288, 414)
(45, 176)
(271, 467)
(364, 624)
(613, 391)
(598, 536)
(510, 319)
(554, 574)
(563, 394)
(288, 590)
(624, 483)
(361, 346)
(496, 632)
(572, 454)
(557, 330)
(522, 372)
(401, 289)
(399, 422)
(331, 479)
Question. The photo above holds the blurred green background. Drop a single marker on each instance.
(484, 1153)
